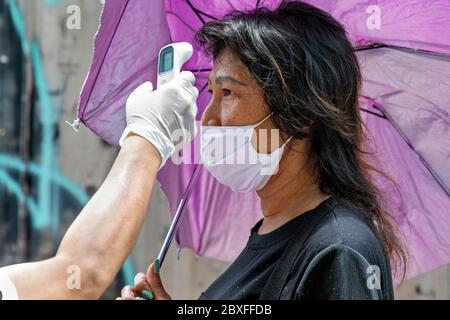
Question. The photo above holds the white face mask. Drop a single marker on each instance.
(228, 154)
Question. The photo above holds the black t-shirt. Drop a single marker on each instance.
(340, 259)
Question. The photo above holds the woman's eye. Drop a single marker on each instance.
(227, 92)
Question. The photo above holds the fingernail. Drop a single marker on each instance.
(156, 266)
(147, 294)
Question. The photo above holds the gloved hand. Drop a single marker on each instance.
(166, 116)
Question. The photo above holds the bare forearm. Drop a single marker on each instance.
(102, 236)
(107, 228)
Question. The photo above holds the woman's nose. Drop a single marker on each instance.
(211, 116)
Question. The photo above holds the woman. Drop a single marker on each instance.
(293, 69)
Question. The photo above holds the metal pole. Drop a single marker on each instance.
(176, 219)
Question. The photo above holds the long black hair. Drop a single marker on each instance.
(311, 79)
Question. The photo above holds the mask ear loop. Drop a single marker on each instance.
(288, 139)
(286, 142)
(267, 117)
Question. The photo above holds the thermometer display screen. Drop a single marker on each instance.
(166, 60)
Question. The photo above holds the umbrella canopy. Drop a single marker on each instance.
(404, 52)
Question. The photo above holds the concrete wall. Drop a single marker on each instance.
(86, 160)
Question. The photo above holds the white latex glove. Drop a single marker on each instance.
(166, 116)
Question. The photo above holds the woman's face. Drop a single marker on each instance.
(237, 100)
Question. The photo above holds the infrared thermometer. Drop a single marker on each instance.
(170, 60)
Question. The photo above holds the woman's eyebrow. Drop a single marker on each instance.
(221, 79)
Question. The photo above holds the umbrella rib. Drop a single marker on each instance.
(199, 12)
(408, 143)
(371, 46)
(204, 87)
(383, 116)
(377, 45)
(195, 10)
(94, 111)
(230, 4)
(200, 70)
(103, 60)
(205, 14)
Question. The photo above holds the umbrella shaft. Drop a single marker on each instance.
(178, 213)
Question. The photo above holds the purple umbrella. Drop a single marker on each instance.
(404, 51)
